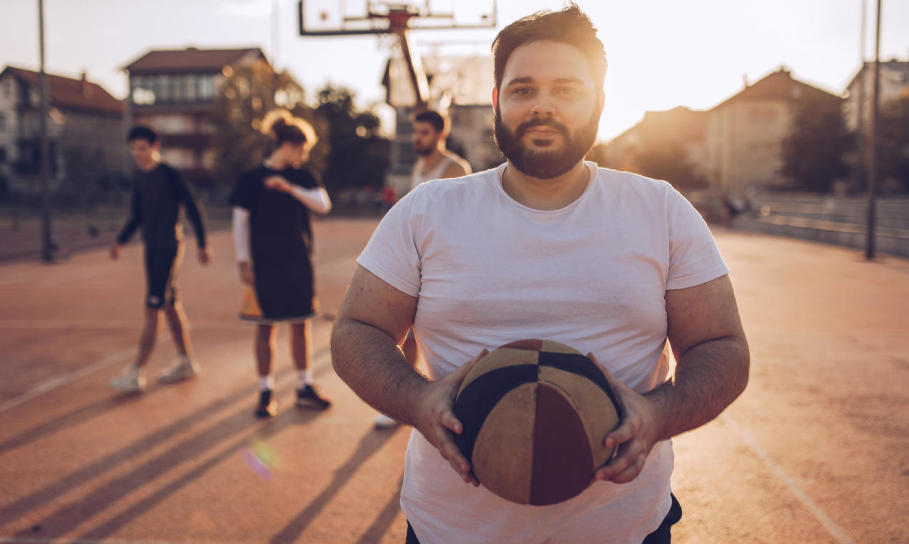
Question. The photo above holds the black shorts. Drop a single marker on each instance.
(160, 276)
(661, 536)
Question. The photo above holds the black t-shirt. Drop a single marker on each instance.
(158, 196)
(279, 223)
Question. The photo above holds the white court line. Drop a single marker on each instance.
(58, 381)
(835, 530)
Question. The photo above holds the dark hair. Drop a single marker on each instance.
(432, 117)
(142, 132)
(282, 126)
(569, 25)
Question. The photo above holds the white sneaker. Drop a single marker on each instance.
(184, 369)
(131, 381)
(384, 422)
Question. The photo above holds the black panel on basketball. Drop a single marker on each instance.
(477, 399)
(578, 364)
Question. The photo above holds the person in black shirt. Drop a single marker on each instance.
(273, 244)
(159, 193)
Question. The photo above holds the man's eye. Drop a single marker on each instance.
(523, 91)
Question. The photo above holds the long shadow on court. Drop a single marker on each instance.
(76, 417)
(22, 506)
(383, 521)
(369, 445)
(274, 427)
(70, 516)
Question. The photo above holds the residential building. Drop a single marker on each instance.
(84, 129)
(646, 143)
(894, 84)
(745, 133)
(174, 91)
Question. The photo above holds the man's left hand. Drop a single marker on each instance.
(205, 255)
(278, 183)
(635, 436)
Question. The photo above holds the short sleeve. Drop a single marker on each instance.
(306, 179)
(243, 195)
(391, 253)
(693, 254)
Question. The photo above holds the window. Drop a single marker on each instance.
(206, 87)
(191, 87)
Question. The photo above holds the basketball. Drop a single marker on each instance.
(534, 415)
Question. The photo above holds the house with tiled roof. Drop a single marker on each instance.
(84, 129)
(174, 91)
(745, 133)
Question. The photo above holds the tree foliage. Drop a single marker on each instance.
(815, 151)
(359, 156)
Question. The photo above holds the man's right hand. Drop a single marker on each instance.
(436, 420)
(246, 272)
(115, 251)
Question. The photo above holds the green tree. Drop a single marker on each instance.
(359, 157)
(815, 151)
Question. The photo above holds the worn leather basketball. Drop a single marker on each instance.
(534, 415)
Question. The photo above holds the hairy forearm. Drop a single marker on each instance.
(708, 377)
(371, 364)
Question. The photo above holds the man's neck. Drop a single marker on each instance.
(149, 166)
(433, 157)
(546, 194)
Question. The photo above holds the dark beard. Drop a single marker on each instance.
(423, 152)
(545, 164)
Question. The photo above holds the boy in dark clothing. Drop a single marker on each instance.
(158, 193)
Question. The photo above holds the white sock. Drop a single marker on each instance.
(266, 382)
(304, 377)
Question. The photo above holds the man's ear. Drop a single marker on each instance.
(601, 99)
(495, 98)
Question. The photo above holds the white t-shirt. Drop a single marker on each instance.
(593, 275)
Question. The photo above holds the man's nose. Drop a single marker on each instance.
(543, 106)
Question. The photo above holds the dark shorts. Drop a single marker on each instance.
(660, 536)
(161, 267)
(285, 291)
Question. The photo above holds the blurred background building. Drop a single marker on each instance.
(175, 92)
(84, 132)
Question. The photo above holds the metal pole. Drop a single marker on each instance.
(415, 68)
(47, 244)
(862, 161)
(872, 176)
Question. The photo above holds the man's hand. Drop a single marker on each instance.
(246, 272)
(278, 183)
(436, 420)
(206, 255)
(115, 251)
(635, 436)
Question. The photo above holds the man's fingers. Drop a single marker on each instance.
(452, 453)
(621, 434)
(451, 422)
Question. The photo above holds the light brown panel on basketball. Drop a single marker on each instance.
(499, 358)
(593, 405)
(557, 347)
(503, 453)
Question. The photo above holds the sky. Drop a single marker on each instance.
(661, 53)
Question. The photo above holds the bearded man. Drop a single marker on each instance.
(545, 246)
